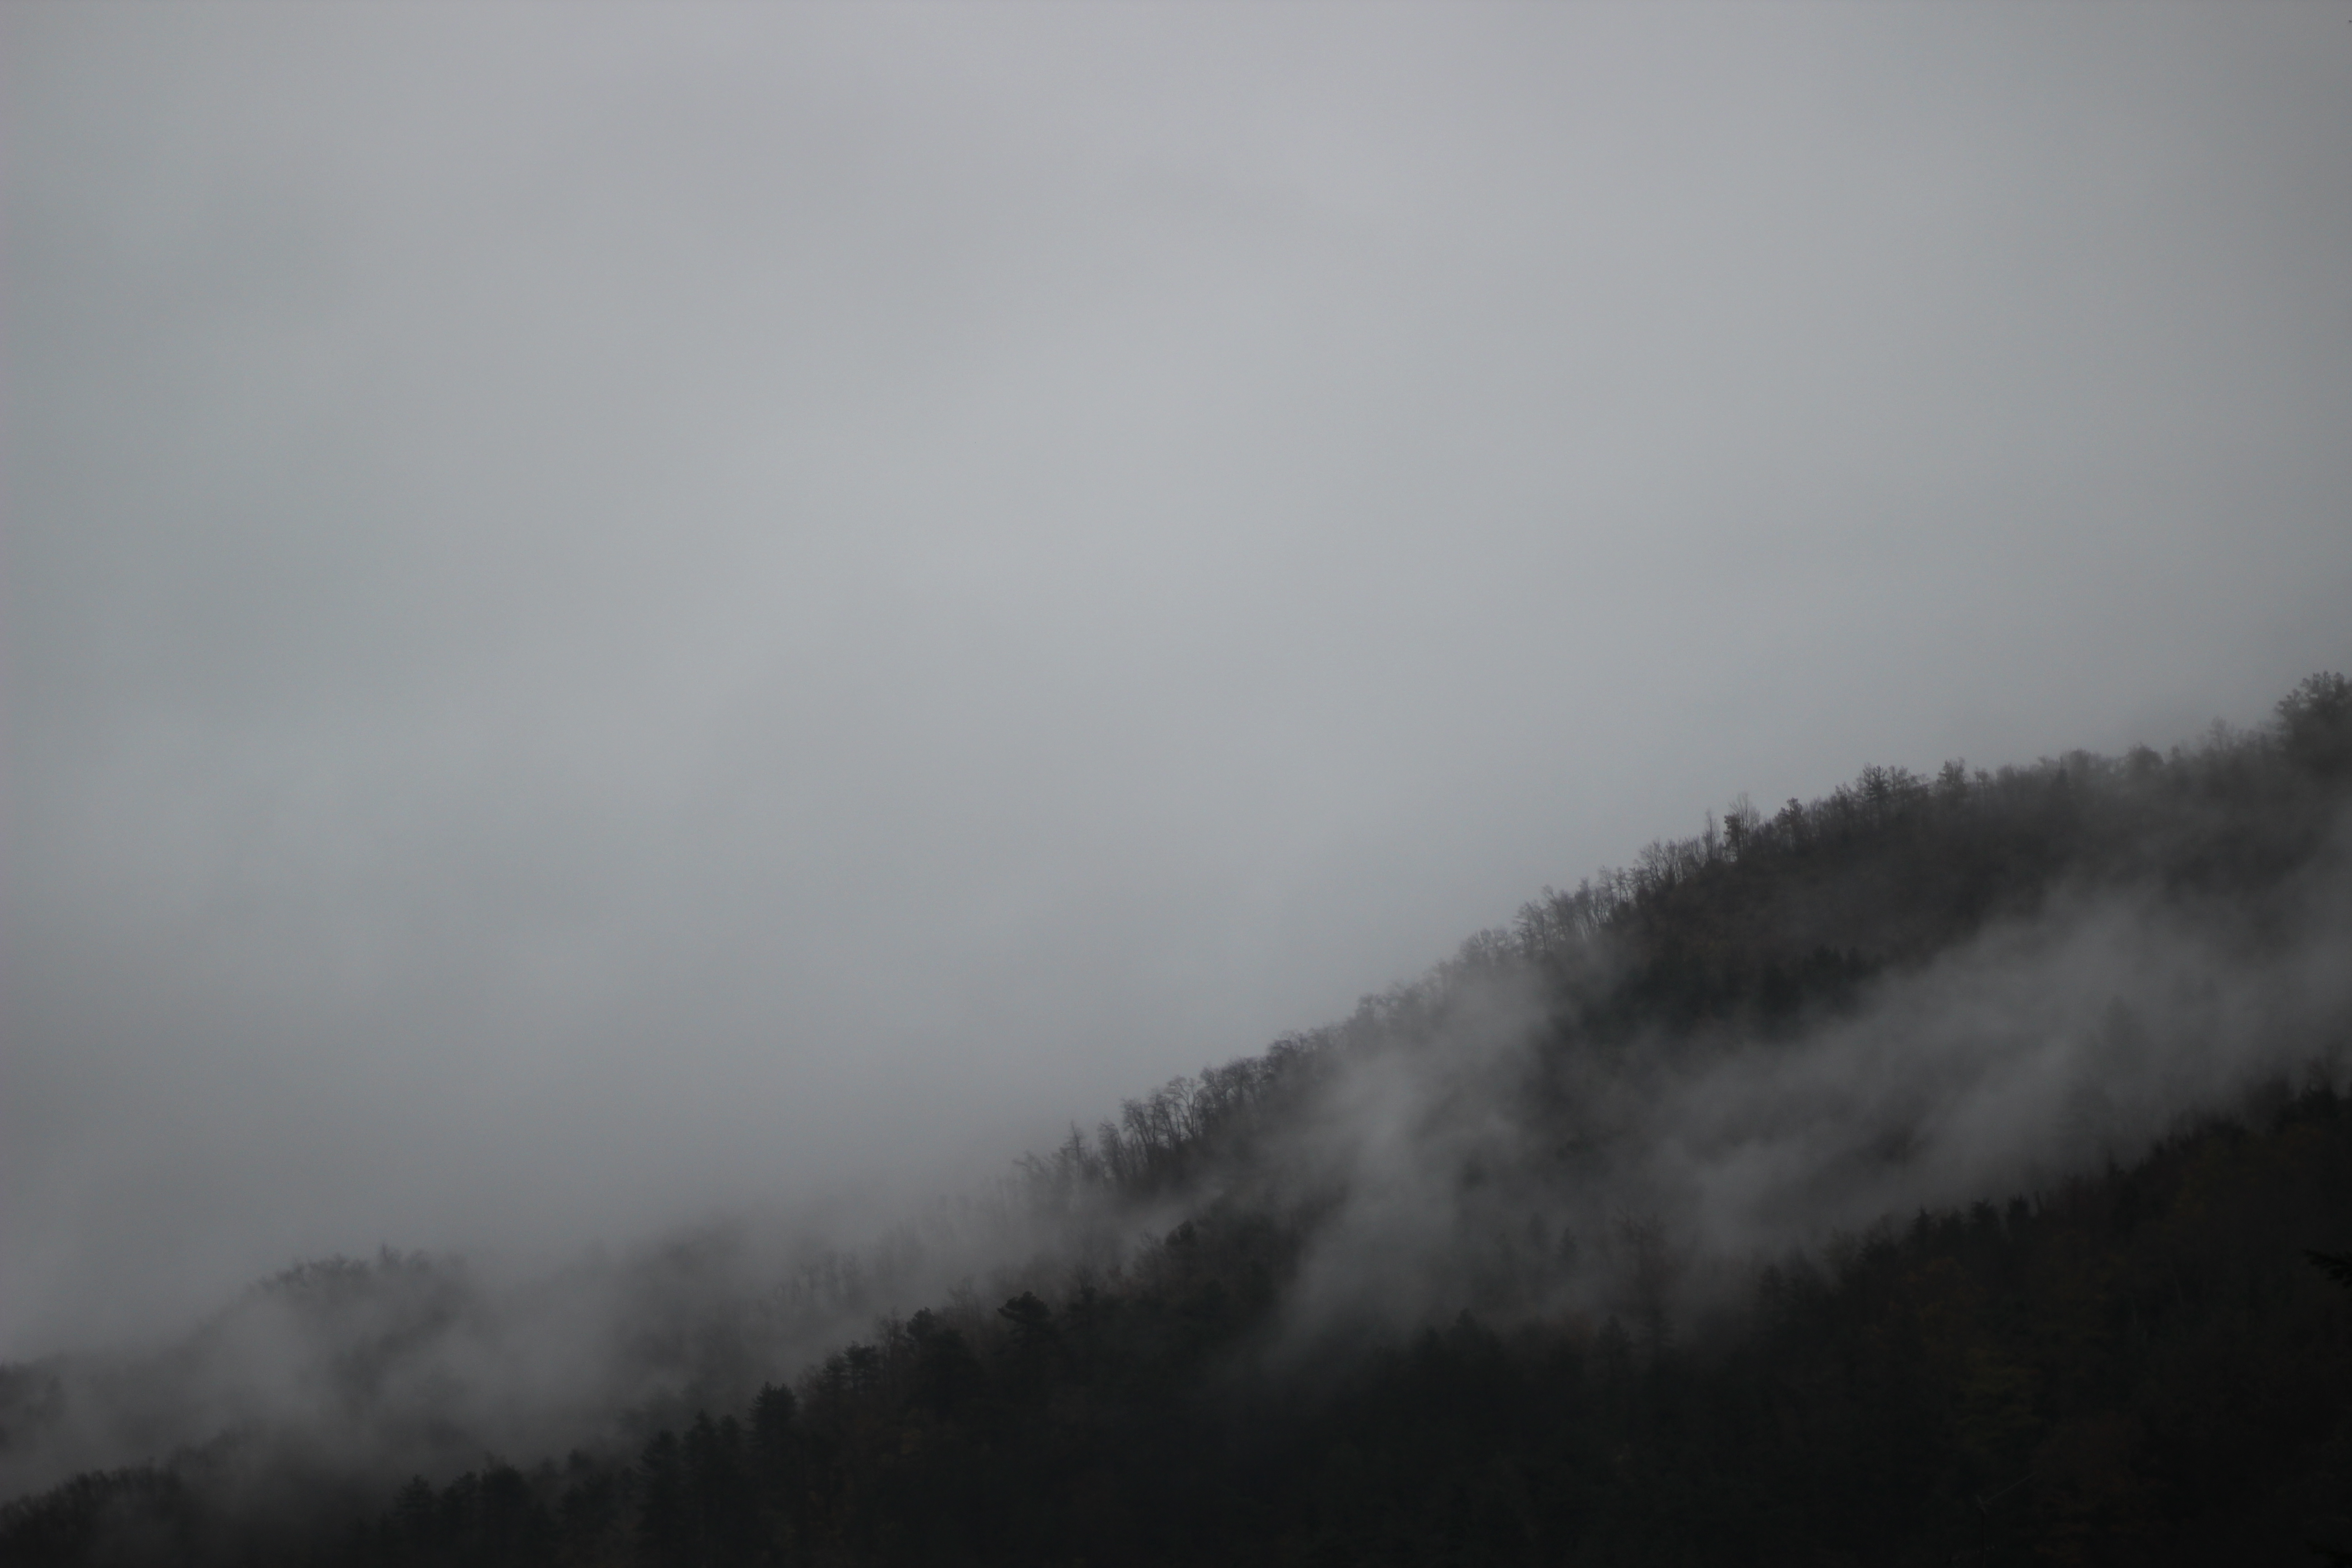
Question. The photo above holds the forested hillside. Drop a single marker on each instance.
(1953, 1169)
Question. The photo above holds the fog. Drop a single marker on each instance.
(1655, 1180)
(346, 1374)
(1463, 1143)
(617, 615)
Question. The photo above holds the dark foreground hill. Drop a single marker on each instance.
(1951, 1170)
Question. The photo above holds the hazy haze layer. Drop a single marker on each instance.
(616, 612)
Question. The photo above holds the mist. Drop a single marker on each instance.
(1471, 1163)
(341, 1374)
(615, 617)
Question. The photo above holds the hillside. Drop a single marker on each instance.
(1927, 1172)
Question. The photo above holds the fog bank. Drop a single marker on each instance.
(1650, 1180)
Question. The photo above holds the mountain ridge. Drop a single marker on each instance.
(1601, 1162)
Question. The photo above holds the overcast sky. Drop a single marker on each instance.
(616, 611)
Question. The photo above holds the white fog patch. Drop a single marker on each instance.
(2039, 1050)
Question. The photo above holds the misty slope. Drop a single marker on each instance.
(1581, 1245)
(344, 1367)
(1911, 993)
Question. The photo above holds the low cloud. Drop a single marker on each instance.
(1473, 1160)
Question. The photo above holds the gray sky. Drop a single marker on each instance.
(614, 611)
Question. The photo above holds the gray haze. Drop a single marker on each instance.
(1424, 1169)
(616, 614)
(2034, 1053)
